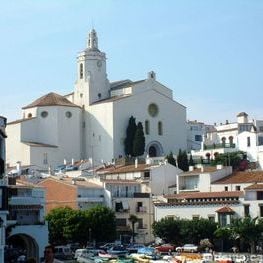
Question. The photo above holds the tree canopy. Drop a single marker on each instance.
(139, 141)
(68, 225)
(130, 133)
(170, 159)
(182, 160)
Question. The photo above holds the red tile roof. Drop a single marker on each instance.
(191, 195)
(225, 209)
(255, 187)
(21, 120)
(124, 169)
(51, 99)
(242, 177)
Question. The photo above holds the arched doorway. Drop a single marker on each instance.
(23, 244)
(154, 149)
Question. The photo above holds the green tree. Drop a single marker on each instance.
(130, 133)
(139, 141)
(182, 160)
(133, 219)
(224, 234)
(170, 158)
(248, 230)
(57, 221)
(191, 161)
(102, 223)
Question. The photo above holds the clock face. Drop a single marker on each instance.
(99, 63)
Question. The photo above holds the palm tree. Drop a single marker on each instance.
(133, 219)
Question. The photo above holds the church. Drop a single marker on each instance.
(91, 122)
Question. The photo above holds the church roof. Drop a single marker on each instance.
(51, 99)
(111, 99)
(123, 84)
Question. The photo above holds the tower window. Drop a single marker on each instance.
(248, 141)
(160, 128)
(81, 71)
(29, 115)
(147, 127)
(99, 95)
(44, 114)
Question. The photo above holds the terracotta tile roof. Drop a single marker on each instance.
(51, 99)
(242, 177)
(191, 195)
(77, 183)
(208, 169)
(125, 169)
(39, 144)
(255, 186)
(108, 181)
(20, 120)
(225, 209)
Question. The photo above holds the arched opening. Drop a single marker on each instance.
(152, 151)
(160, 128)
(81, 71)
(147, 127)
(21, 244)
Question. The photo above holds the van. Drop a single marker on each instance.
(63, 252)
(81, 252)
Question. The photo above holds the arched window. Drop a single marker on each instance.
(29, 115)
(160, 128)
(223, 140)
(81, 71)
(147, 127)
(230, 140)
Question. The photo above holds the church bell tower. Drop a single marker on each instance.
(92, 84)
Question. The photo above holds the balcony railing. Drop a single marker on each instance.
(141, 209)
(219, 145)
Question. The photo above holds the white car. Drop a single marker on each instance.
(187, 248)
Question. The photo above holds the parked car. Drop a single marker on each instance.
(71, 167)
(187, 248)
(118, 251)
(165, 248)
(81, 252)
(60, 168)
(107, 246)
(63, 252)
(133, 248)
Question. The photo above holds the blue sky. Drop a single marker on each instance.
(208, 52)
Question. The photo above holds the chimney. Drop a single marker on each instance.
(219, 166)
(18, 168)
(191, 168)
(136, 163)
(65, 162)
(148, 160)
(227, 122)
(72, 161)
(202, 168)
(151, 75)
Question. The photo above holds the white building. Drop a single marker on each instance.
(91, 121)
(131, 190)
(27, 217)
(235, 195)
(243, 135)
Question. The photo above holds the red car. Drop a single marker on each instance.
(165, 248)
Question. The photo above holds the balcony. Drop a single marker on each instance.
(141, 195)
(25, 200)
(219, 145)
(122, 211)
(90, 199)
(141, 209)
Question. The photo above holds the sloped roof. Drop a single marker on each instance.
(255, 186)
(125, 169)
(225, 209)
(123, 84)
(39, 144)
(191, 195)
(242, 177)
(51, 99)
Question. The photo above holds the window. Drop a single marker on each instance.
(230, 140)
(260, 140)
(118, 206)
(99, 95)
(44, 114)
(195, 217)
(226, 188)
(121, 222)
(147, 127)
(68, 114)
(29, 115)
(246, 210)
(259, 195)
(261, 210)
(45, 159)
(147, 174)
(211, 218)
(198, 138)
(153, 109)
(237, 187)
(81, 71)
(160, 128)
(248, 141)
(140, 223)
(261, 128)
(223, 140)
(222, 219)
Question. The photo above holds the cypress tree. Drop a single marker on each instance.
(130, 132)
(139, 141)
(170, 159)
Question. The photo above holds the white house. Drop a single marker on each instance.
(91, 122)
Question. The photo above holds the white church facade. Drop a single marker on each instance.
(91, 121)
